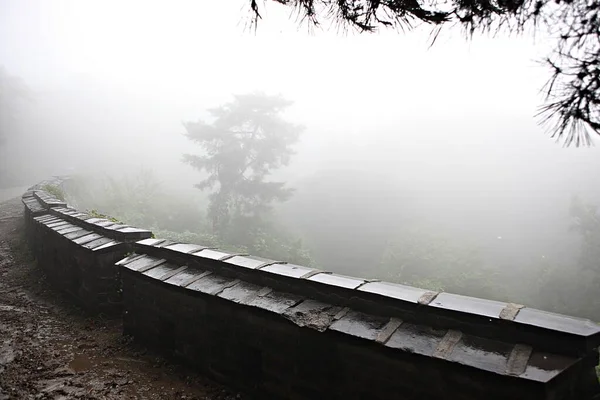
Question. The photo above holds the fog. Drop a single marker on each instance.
(401, 140)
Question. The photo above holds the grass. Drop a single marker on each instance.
(55, 191)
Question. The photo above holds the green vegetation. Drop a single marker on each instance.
(55, 191)
(432, 261)
(172, 217)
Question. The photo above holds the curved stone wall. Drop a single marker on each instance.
(286, 331)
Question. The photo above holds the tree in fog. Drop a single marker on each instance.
(246, 140)
(573, 91)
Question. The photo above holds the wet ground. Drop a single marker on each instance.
(52, 350)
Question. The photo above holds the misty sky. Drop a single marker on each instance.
(453, 123)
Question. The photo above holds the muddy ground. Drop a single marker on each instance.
(49, 349)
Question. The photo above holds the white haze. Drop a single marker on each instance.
(451, 126)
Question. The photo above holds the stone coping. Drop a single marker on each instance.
(87, 239)
(32, 204)
(493, 319)
(103, 226)
(48, 200)
(389, 333)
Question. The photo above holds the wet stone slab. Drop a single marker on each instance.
(87, 238)
(396, 291)
(486, 354)
(471, 305)
(164, 243)
(48, 219)
(212, 254)
(312, 314)
(61, 228)
(276, 302)
(33, 205)
(143, 263)
(160, 270)
(56, 224)
(150, 242)
(44, 219)
(561, 323)
(116, 227)
(105, 223)
(185, 247)
(249, 261)
(241, 292)
(542, 367)
(54, 221)
(417, 339)
(111, 226)
(68, 230)
(80, 216)
(97, 243)
(337, 280)
(111, 243)
(171, 273)
(131, 230)
(130, 258)
(95, 220)
(185, 277)
(77, 234)
(360, 325)
(291, 270)
(211, 284)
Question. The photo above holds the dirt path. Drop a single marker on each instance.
(50, 350)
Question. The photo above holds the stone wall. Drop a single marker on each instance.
(77, 251)
(286, 331)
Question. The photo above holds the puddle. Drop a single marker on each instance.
(80, 363)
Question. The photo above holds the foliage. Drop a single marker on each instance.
(55, 191)
(138, 199)
(573, 91)
(170, 217)
(247, 140)
(432, 261)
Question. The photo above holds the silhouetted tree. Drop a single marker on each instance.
(247, 140)
(573, 91)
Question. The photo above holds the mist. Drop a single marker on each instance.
(419, 164)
